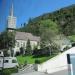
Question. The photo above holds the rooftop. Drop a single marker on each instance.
(25, 36)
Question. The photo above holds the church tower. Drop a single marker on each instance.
(11, 22)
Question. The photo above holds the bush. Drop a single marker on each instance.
(73, 44)
(14, 70)
(6, 72)
(37, 61)
(17, 54)
(41, 52)
(10, 71)
(25, 63)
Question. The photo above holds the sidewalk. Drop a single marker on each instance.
(64, 72)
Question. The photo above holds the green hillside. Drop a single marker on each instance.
(64, 18)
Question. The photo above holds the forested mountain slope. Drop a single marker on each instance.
(64, 18)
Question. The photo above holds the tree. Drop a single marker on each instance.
(47, 40)
(7, 40)
(28, 48)
(22, 51)
(48, 30)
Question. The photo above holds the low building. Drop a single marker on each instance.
(22, 38)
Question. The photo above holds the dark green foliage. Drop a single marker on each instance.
(9, 71)
(22, 50)
(36, 27)
(37, 61)
(28, 48)
(25, 63)
(73, 44)
(41, 52)
(64, 18)
(7, 39)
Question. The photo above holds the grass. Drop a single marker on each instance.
(31, 60)
(72, 37)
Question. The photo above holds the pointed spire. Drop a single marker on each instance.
(11, 10)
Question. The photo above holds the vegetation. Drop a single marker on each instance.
(64, 18)
(72, 38)
(49, 25)
(7, 39)
(22, 51)
(31, 59)
(28, 48)
(8, 71)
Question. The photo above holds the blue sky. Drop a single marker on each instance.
(25, 9)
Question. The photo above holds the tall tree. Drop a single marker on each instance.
(28, 48)
(7, 40)
(48, 30)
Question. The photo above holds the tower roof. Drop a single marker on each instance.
(11, 10)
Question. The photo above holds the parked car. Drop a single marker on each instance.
(9, 62)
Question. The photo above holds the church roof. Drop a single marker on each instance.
(25, 36)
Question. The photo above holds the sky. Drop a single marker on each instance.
(26, 9)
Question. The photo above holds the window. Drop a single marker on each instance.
(14, 61)
(24, 44)
(6, 61)
(17, 44)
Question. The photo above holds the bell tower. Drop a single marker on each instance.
(11, 22)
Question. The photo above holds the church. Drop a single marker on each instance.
(20, 37)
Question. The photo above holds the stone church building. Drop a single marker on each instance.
(20, 37)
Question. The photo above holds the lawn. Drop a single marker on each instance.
(72, 37)
(31, 60)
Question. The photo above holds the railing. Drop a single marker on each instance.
(27, 68)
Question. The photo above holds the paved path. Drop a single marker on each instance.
(35, 73)
(28, 70)
(64, 72)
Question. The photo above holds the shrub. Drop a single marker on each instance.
(25, 63)
(10, 71)
(6, 72)
(17, 54)
(41, 52)
(37, 61)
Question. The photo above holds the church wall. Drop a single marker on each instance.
(22, 43)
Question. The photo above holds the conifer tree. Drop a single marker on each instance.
(28, 48)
